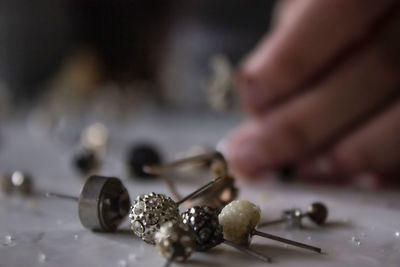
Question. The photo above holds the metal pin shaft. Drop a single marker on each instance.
(278, 221)
(287, 241)
(59, 195)
(198, 191)
(271, 222)
(248, 251)
(158, 169)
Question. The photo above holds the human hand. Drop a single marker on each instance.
(322, 87)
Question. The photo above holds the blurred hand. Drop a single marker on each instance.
(322, 89)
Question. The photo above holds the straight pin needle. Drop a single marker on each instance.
(248, 251)
(63, 196)
(198, 191)
(287, 241)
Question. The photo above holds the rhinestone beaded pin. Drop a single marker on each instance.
(149, 212)
(175, 241)
(203, 220)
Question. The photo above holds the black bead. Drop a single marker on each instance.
(139, 156)
(85, 161)
(317, 212)
(204, 222)
(287, 173)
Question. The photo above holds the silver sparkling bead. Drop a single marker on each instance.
(203, 220)
(292, 217)
(149, 212)
(175, 241)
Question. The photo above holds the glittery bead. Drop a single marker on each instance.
(204, 222)
(175, 241)
(292, 217)
(238, 219)
(149, 212)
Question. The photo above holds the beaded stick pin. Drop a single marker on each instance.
(216, 196)
(149, 211)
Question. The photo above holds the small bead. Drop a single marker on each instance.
(22, 183)
(238, 219)
(86, 162)
(148, 212)
(138, 157)
(175, 241)
(318, 213)
(292, 218)
(204, 222)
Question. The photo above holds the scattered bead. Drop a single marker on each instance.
(42, 257)
(175, 241)
(238, 219)
(139, 156)
(8, 241)
(86, 162)
(204, 222)
(148, 212)
(22, 183)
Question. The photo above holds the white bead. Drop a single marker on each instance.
(238, 219)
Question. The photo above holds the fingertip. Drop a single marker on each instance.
(347, 159)
(245, 152)
(253, 97)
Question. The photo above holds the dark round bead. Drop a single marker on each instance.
(85, 161)
(204, 222)
(139, 156)
(287, 173)
(317, 212)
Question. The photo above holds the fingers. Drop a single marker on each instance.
(307, 35)
(310, 120)
(374, 147)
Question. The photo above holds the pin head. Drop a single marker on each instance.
(238, 219)
(86, 161)
(219, 166)
(103, 203)
(148, 212)
(22, 183)
(139, 156)
(203, 220)
(317, 212)
(292, 217)
(175, 241)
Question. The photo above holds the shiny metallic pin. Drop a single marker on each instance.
(317, 212)
(102, 204)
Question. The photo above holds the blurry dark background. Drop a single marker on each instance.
(160, 48)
